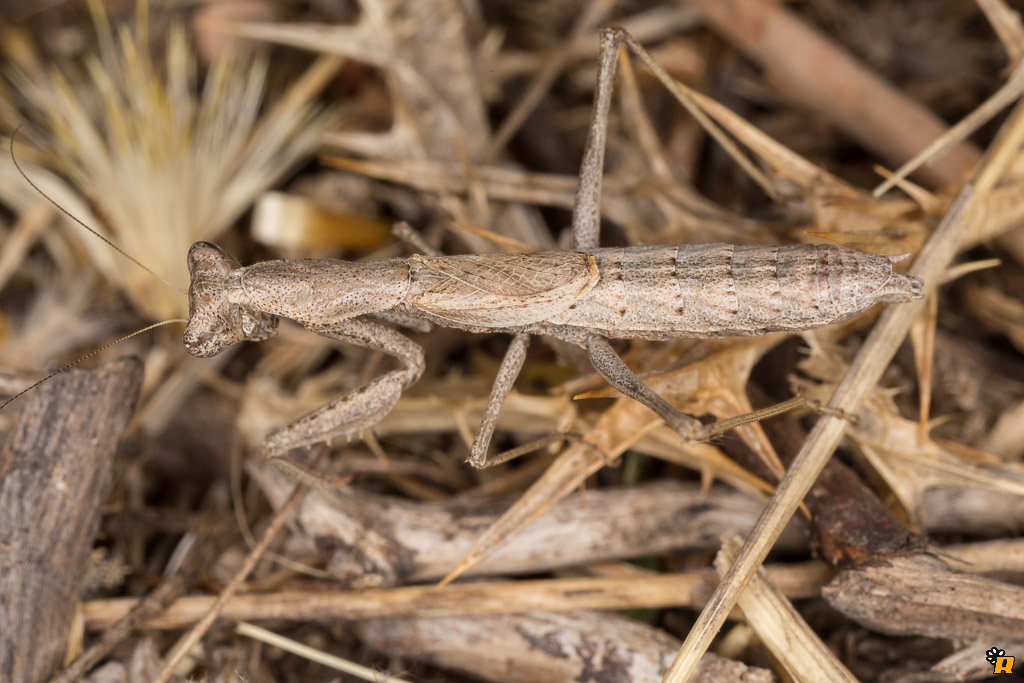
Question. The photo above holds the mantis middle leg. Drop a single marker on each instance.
(586, 228)
(507, 373)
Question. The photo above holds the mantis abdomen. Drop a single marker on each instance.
(711, 290)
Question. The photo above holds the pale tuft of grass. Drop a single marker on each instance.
(168, 161)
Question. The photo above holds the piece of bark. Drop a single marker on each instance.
(373, 540)
(890, 581)
(968, 664)
(921, 595)
(55, 470)
(804, 66)
(543, 646)
(974, 511)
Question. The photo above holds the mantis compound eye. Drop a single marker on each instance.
(214, 322)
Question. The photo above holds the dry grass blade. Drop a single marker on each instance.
(684, 98)
(312, 654)
(797, 581)
(1007, 24)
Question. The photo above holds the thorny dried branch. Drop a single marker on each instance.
(157, 146)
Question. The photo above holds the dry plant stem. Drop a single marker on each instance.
(686, 589)
(186, 644)
(619, 203)
(55, 470)
(544, 646)
(861, 378)
(373, 540)
(858, 100)
(781, 628)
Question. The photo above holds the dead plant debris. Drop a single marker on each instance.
(292, 130)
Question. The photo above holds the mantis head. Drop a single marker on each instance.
(214, 321)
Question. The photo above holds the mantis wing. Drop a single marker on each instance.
(500, 290)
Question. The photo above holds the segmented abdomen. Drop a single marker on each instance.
(704, 290)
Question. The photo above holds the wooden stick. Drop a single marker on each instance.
(55, 470)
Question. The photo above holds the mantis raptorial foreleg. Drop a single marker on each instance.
(363, 407)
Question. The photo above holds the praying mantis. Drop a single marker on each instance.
(583, 296)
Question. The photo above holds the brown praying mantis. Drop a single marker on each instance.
(583, 296)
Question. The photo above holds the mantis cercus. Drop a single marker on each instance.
(583, 296)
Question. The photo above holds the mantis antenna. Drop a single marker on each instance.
(118, 250)
(70, 215)
(90, 355)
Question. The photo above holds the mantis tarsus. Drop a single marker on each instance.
(583, 296)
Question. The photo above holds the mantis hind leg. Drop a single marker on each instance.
(614, 371)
